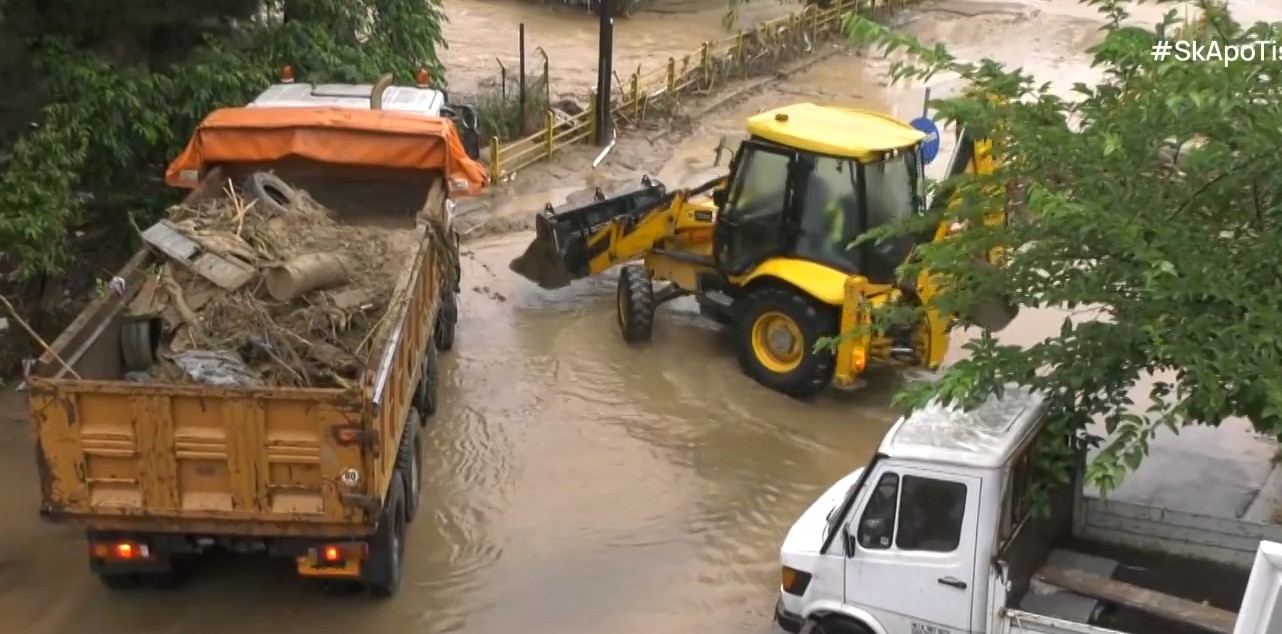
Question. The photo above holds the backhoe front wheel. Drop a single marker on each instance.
(635, 304)
(776, 334)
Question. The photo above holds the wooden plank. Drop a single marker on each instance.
(1172, 608)
(227, 273)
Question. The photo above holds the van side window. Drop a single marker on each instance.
(877, 526)
(931, 515)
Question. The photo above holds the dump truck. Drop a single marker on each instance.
(161, 471)
(947, 531)
(766, 249)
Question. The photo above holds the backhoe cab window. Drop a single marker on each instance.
(833, 216)
(830, 214)
(892, 197)
(913, 513)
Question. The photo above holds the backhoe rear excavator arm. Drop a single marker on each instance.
(587, 240)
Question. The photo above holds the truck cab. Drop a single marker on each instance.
(419, 99)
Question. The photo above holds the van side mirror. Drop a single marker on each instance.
(847, 541)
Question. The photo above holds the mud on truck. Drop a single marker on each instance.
(257, 377)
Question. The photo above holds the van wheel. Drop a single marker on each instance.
(386, 563)
(447, 322)
(834, 625)
(776, 334)
(635, 304)
(428, 385)
(409, 462)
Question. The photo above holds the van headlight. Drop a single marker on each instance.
(795, 581)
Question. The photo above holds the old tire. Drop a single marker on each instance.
(447, 322)
(386, 563)
(138, 343)
(428, 385)
(409, 462)
(776, 334)
(635, 300)
(272, 193)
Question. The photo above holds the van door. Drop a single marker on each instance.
(913, 562)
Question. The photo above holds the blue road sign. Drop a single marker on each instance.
(929, 145)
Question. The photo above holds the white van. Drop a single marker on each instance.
(935, 536)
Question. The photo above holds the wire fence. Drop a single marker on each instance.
(659, 91)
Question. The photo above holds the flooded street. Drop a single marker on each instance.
(574, 484)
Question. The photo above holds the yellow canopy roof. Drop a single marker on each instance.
(844, 132)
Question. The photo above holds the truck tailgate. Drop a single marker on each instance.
(196, 458)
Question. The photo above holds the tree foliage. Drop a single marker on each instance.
(1153, 205)
(124, 83)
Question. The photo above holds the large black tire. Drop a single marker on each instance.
(425, 395)
(386, 563)
(776, 332)
(447, 322)
(273, 194)
(635, 304)
(834, 625)
(409, 462)
(172, 579)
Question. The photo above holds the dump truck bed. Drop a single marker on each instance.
(199, 459)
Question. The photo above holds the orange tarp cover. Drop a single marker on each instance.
(343, 136)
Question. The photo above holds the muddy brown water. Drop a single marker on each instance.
(575, 484)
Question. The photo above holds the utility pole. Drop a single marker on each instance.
(604, 72)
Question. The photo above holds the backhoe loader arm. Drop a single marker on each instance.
(584, 241)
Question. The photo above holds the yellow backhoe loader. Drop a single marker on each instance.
(765, 249)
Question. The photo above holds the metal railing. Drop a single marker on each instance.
(747, 53)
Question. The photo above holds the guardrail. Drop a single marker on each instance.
(747, 53)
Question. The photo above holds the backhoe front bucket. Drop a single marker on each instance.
(560, 252)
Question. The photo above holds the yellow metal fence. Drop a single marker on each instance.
(749, 52)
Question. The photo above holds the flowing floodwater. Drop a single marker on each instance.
(575, 484)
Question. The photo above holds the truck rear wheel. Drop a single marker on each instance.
(409, 462)
(447, 322)
(428, 385)
(776, 334)
(386, 562)
(635, 304)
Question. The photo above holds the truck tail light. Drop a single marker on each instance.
(120, 551)
(335, 554)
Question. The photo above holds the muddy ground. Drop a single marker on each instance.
(574, 484)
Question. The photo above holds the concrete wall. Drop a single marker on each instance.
(1223, 540)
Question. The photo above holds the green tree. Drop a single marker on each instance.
(1153, 199)
(122, 85)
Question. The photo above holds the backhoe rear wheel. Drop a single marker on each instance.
(776, 334)
(636, 304)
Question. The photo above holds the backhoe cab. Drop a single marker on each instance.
(766, 250)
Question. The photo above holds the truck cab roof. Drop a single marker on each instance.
(408, 99)
(984, 438)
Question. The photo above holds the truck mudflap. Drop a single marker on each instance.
(563, 247)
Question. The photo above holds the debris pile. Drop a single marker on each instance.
(262, 293)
